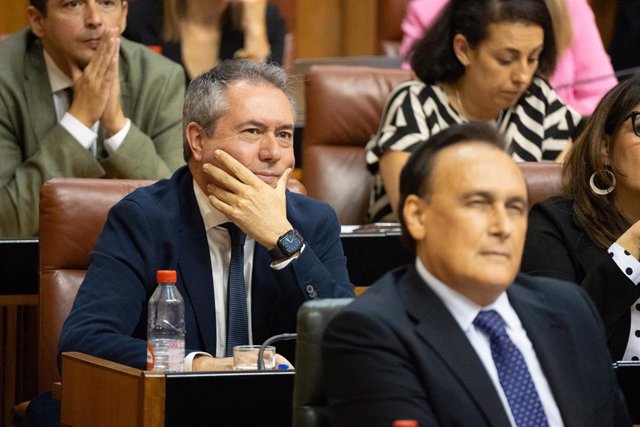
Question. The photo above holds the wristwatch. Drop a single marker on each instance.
(288, 244)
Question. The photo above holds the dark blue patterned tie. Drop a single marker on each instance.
(69, 92)
(237, 320)
(512, 371)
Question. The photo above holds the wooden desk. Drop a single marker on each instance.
(98, 392)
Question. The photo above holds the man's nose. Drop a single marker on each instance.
(270, 150)
(93, 17)
(501, 223)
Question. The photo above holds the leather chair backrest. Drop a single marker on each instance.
(544, 180)
(390, 15)
(343, 107)
(72, 214)
(309, 397)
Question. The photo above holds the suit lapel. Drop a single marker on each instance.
(437, 327)
(553, 343)
(38, 92)
(195, 264)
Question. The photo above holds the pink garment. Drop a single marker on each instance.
(585, 59)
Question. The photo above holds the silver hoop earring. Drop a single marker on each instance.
(601, 191)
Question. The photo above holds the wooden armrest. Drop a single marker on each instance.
(99, 392)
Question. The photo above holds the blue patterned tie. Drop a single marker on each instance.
(237, 320)
(69, 92)
(512, 371)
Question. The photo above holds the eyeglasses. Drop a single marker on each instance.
(635, 122)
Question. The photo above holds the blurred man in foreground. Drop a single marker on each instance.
(458, 338)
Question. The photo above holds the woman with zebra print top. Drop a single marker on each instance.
(483, 61)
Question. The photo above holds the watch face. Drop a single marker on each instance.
(291, 242)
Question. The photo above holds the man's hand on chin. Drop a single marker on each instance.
(253, 205)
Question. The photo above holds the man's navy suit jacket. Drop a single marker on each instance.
(160, 228)
(398, 353)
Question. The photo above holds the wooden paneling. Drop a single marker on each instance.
(13, 15)
(318, 28)
(359, 27)
(336, 28)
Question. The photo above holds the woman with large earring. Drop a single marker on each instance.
(591, 235)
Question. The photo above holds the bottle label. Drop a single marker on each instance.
(165, 354)
(151, 357)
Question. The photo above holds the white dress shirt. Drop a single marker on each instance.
(220, 255)
(465, 311)
(87, 137)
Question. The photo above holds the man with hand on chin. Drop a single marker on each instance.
(78, 100)
(238, 144)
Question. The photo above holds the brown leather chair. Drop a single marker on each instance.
(72, 214)
(309, 399)
(343, 107)
(544, 180)
(390, 15)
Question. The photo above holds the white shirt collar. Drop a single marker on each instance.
(210, 216)
(462, 308)
(57, 78)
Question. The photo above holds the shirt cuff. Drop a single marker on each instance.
(112, 144)
(625, 262)
(282, 264)
(84, 135)
(188, 360)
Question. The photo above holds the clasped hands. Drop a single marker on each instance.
(97, 87)
(253, 205)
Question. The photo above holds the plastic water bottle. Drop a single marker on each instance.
(165, 326)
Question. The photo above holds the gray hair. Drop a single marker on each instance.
(205, 101)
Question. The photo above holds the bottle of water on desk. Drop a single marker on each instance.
(165, 326)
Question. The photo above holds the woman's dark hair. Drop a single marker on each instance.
(598, 214)
(416, 175)
(433, 58)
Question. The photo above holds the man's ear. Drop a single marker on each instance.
(413, 212)
(195, 135)
(36, 21)
(462, 49)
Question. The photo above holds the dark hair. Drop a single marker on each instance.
(41, 5)
(205, 101)
(433, 58)
(416, 176)
(598, 214)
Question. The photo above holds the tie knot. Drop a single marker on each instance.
(490, 322)
(237, 236)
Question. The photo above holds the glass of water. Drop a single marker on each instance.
(245, 357)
